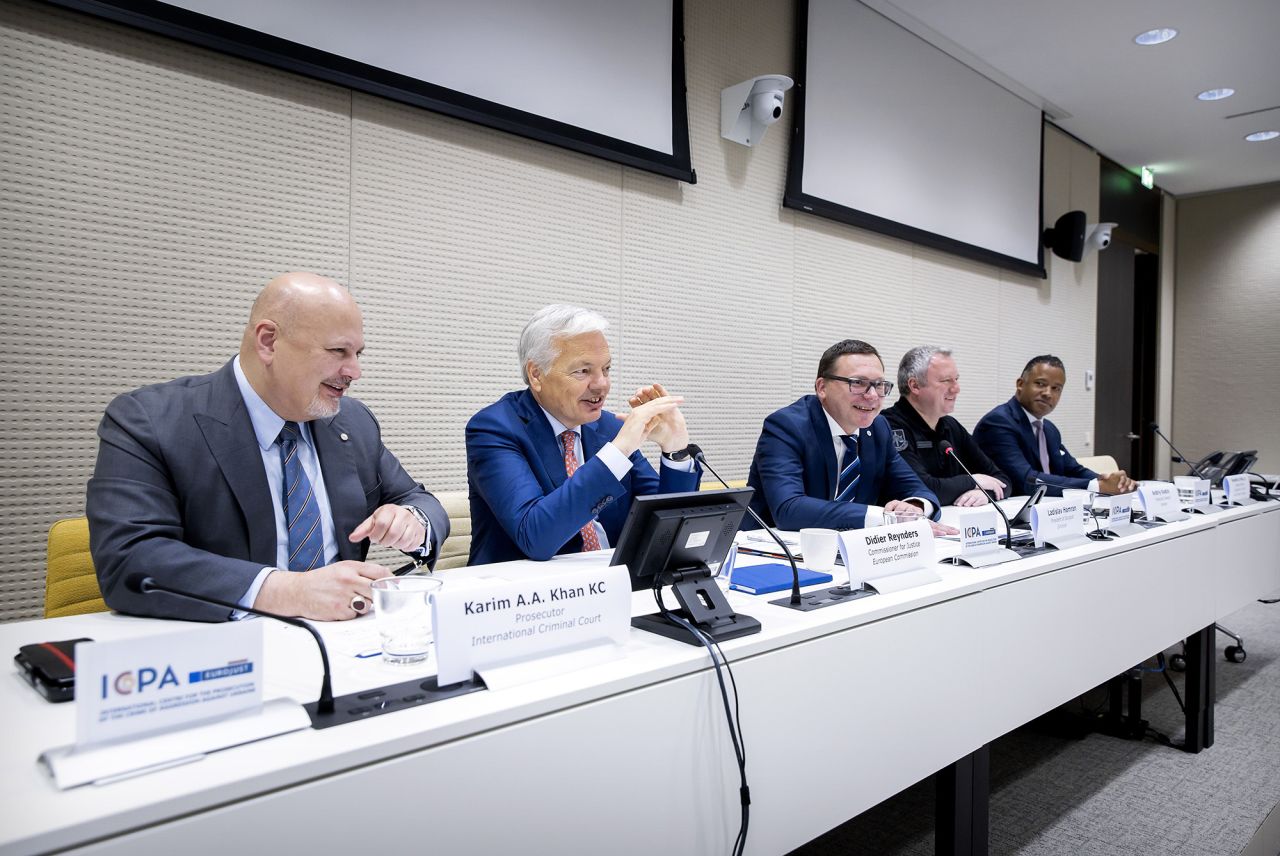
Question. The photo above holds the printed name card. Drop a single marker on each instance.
(132, 687)
(491, 623)
(980, 539)
(1058, 523)
(1160, 499)
(1236, 489)
(890, 558)
(1115, 514)
(1192, 492)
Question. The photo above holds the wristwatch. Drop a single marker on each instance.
(677, 456)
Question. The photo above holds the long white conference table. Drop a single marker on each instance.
(841, 708)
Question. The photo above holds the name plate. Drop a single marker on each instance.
(133, 687)
(1192, 492)
(890, 558)
(1058, 523)
(1160, 501)
(980, 538)
(1237, 490)
(1115, 514)
(490, 623)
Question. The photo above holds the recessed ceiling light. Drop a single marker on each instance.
(1262, 136)
(1216, 94)
(1157, 36)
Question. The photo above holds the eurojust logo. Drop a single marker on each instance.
(154, 679)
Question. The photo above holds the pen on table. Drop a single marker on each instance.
(409, 566)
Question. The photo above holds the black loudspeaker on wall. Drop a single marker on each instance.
(1066, 238)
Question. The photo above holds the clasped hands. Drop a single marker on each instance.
(333, 592)
(655, 415)
(1116, 483)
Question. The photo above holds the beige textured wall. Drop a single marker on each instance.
(1227, 324)
(149, 188)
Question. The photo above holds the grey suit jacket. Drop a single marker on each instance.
(179, 492)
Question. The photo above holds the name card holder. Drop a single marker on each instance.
(1115, 515)
(1160, 501)
(890, 559)
(979, 539)
(105, 763)
(156, 701)
(1058, 523)
(1195, 494)
(512, 632)
(1237, 490)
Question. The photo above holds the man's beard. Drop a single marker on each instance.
(322, 407)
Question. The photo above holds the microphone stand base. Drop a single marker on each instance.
(826, 597)
(731, 628)
(370, 703)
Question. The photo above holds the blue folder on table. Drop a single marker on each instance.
(763, 579)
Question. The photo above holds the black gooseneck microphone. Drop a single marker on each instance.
(1194, 470)
(140, 583)
(948, 449)
(696, 452)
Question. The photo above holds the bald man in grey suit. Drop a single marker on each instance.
(188, 486)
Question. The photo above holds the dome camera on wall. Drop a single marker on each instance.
(1099, 236)
(747, 109)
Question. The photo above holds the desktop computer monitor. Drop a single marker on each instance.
(672, 539)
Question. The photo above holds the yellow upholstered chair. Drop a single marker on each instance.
(456, 548)
(70, 583)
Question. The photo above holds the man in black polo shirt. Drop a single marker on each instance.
(929, 384)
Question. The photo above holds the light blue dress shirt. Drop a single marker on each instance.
(267, 426)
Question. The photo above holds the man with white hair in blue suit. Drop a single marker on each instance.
(549, 469)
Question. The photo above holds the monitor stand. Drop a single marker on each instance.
(704, 606)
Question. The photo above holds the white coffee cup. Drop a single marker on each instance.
(819, 548)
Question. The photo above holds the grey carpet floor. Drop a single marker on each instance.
(1100, 796)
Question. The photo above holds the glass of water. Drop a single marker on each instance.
(402, 606)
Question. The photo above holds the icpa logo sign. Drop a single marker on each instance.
(139, 681)
(978, 531)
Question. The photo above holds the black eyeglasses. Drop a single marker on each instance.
(860, 385)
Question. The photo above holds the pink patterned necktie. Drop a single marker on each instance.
(590, 540)
(1044, 445)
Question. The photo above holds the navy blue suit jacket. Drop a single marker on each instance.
(523, 505)
(179, 492)
(1007, 437)
(794, 471)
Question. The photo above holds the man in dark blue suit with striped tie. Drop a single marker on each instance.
(223, 483)
(828, 460)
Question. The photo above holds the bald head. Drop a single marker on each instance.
(291, 297)
(300, 350)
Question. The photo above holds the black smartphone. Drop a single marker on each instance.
(50, 667)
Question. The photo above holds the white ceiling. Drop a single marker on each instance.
(1137, 105)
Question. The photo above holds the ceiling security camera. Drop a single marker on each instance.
(750, 107)
(1099, 236)
(766, 107)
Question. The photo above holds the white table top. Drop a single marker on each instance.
(39, 817)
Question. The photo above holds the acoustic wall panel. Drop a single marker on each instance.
(847, 290)
(458, 235)
(706, 270)
(146, 190)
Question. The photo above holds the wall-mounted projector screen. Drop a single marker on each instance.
(892, 134)
(603, 77)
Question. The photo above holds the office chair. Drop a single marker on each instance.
(70, 583)
(456, 548)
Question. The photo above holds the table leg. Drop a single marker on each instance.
(963, 801)
(1201, 680)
